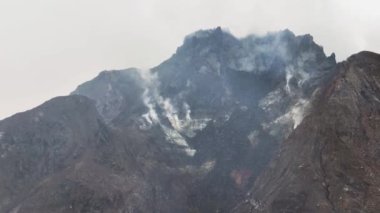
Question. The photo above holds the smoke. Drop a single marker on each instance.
(168, 110)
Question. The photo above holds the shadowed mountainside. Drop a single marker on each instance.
(330, 163)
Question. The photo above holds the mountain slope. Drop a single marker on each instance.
(330, 163)
(189, 135)
(62, 157)
(117, 93)
(223, 101)
(42, 142)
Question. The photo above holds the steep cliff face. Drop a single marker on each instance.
(330, 163)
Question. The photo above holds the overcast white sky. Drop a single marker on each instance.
(48, 47)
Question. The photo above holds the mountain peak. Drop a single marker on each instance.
(364, 55)
(207, 33)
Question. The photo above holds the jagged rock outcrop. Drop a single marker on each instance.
(253, 90)
(330, 163)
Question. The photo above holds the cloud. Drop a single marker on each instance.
(49, 47)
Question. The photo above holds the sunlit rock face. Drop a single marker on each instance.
(208, 120)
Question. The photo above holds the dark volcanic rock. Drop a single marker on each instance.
(330, 163)
(190, 135)
(61, 157)
(255, 90)
(43, 142)
(117, 93)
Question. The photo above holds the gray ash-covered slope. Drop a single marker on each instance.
(330, 163)
(117, 93)
(42, 142)
(190, 135)
(61, 157)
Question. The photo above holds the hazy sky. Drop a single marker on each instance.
(48, 47)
